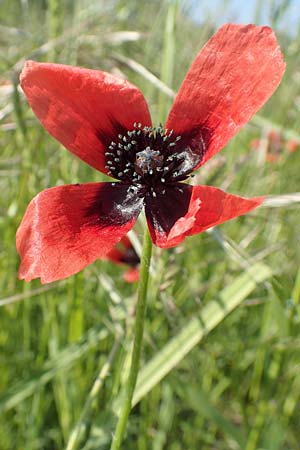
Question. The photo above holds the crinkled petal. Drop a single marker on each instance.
(231, 78)
(83, 109)
(216, 207)
(191, 210)
(171, 215)
(65, 228)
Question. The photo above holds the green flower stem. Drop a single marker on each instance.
(137, 345)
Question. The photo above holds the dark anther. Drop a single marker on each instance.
(148, 159)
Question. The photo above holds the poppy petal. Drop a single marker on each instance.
(171, 215)
(65, 228)
(132, 275)
(216, 207)
(115, 255)
(197, 209)
(123, 253)
(83, 109)
(230, 79)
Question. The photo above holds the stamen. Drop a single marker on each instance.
(150, 158)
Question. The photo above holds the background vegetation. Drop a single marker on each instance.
(209, 379)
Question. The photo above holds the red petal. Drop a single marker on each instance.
(126, 242)
(231, 78)
(171, 215)
(175, 215)
(216, 207)
(115, 255)
(132, 275)
(66, 228)
(83, 109)
(123, 253)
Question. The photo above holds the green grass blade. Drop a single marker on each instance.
(63, 361)
(201, 403)
(168, 59)
(212, 314)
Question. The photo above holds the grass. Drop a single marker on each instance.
(221, 353)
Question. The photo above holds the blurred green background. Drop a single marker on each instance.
(209, 379)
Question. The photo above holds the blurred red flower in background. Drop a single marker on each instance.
(275, 145)
(124, 254)
(293, 145)
(105, 121)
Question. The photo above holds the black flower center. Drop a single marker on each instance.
(150, 158)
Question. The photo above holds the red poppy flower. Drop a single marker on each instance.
(124, 254)
(105, 121)
(292, 145)
(273, 144)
